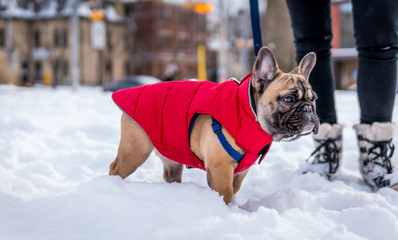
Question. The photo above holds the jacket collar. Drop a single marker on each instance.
(246, 98)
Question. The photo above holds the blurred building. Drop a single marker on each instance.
(141, 37)
(39, 49)
(166, 39)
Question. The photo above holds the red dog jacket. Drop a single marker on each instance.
(164, 112)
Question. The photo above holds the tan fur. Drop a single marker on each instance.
(219, 165)
(134, 149)
(283, 85)
(135, 146)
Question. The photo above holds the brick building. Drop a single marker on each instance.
(167, 36)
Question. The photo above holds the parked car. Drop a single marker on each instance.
(130, 81)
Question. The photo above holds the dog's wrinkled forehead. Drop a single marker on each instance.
(297, 85)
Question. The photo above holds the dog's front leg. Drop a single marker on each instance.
(219, 164)
(220, 176)
(238, 178)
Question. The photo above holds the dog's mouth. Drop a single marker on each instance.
(289, 127)
(310, 127)
(295, 136)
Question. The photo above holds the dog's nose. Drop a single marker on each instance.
(306, 108)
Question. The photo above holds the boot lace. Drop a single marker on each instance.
(380, 182)
(327, 152)
(381, 152)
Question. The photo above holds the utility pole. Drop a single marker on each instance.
(75, 46)
(100, 53)
(244, 36)
(223, 42)
(98, 37)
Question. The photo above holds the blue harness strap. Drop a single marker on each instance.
(217, 130)
(232, 152)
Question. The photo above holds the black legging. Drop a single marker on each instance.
(376, 35)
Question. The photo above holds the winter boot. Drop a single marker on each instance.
(376, 149)
(325, 160)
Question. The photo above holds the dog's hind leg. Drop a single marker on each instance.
(134, 149)
(172, 171)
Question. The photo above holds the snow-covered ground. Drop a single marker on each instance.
(56, 146)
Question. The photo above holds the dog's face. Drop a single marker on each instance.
(285, 102)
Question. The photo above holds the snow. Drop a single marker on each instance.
(56, 146)
(49, 10)
(112, 15)
(15, 11)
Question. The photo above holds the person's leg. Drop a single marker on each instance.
(311, 23)
(375, 29)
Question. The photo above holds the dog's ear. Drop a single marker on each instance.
(265, 69)
(307, 64)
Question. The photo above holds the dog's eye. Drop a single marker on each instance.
(288, 99)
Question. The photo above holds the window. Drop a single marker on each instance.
(38, 72)
(56, 38)
(2, 38)
(25, 72)
(55, 72)
(165, 16)
(109, 40)
(108, 66)
(36, 35)
(127, 40)
(65, 37)
(61, 38)
(185, 18)
(183, 42)
(127, 68)
(148, 68)
(66, 71)
(165, 41)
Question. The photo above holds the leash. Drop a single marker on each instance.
(256, 28)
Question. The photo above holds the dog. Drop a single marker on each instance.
(221, 128)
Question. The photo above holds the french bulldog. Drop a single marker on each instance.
(221, 128)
